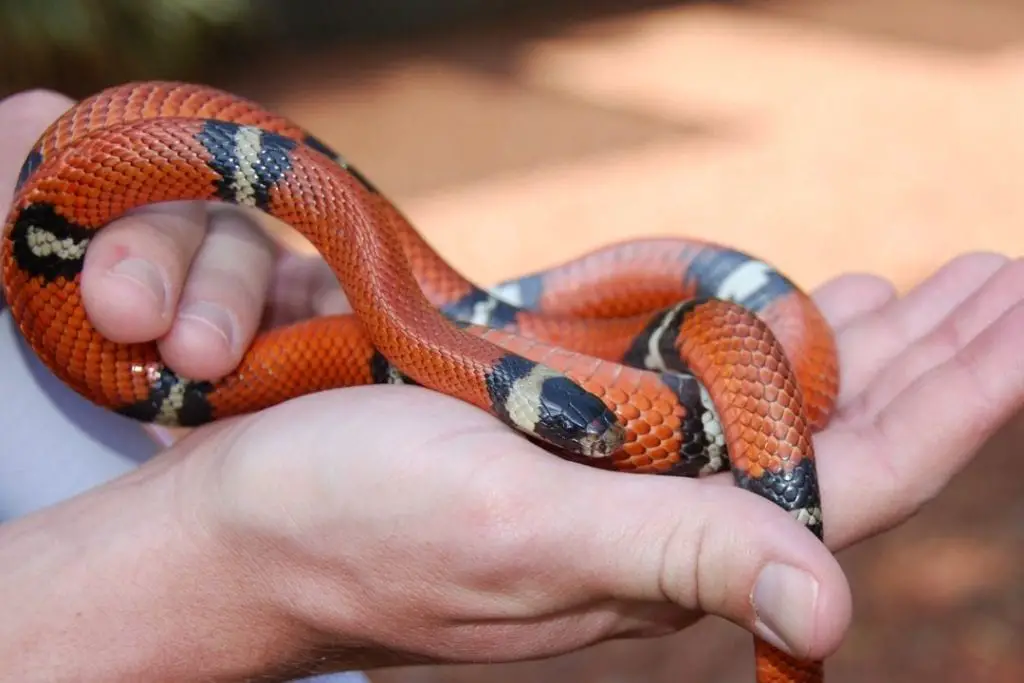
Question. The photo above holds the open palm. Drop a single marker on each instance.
(926, 378)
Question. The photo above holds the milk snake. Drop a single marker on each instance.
(663, 356)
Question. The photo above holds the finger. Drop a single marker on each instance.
(847, 298)
(999, 293)
(869, 344)
(135, 270)
(875, 477)
(718, 550)
(303, 287)
(222, 301)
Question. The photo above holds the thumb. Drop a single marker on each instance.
(707, 548)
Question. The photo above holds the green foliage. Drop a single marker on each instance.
(77, 45)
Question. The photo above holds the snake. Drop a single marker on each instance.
(664, 355)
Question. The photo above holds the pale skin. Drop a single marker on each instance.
(373, 526)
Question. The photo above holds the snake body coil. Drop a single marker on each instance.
(663, 356)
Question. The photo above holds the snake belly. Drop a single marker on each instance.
(664, 356)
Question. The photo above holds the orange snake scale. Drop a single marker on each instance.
(663, 356)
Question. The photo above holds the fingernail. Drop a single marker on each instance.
(145, 275)
(784, 600)
(215, 317)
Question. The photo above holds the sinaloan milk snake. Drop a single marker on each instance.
(665, 356)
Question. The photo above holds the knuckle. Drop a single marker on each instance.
(234, 218)
(236, 271)
(176, 221)
(230, 238)
(709, 557)
(690, 561)
(239, 242)
(229, 288)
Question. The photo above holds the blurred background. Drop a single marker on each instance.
(827, 136)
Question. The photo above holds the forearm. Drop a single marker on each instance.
(115, 586)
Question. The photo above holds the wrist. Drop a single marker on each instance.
(127, 583)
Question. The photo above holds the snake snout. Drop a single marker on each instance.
(583, 425)
(602, 438)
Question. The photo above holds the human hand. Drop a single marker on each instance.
(495, 550)
(454, 540)
(199, 279)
